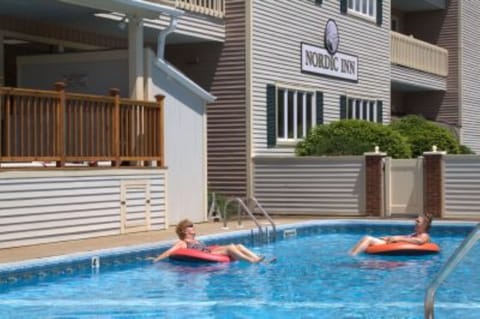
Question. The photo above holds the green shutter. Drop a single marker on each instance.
(318, 1)
(271, 115)
(319, 100)
(343, 6)
(379, 12)
(379, 111)
(343, 107)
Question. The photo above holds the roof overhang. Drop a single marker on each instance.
(139, 8)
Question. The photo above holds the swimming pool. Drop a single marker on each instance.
(314, 277)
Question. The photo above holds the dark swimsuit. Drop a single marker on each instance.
(198, 245)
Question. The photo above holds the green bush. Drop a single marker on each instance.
(465, 150)
(422, 135)
(353, 137)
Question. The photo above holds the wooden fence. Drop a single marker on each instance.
(37, 125)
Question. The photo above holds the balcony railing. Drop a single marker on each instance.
(66, 127)
(416, 54)
(215, 8)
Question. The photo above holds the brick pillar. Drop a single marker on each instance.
(374, 190)
(433, 196)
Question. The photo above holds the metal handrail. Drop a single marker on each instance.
(264, 212)
(451, 263)
(237, 199)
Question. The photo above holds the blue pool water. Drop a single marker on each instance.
(314, 277)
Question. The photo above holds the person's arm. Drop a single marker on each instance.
(417, 240)
(165, 254)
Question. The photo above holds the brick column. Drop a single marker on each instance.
(433, 195)
(374, 190)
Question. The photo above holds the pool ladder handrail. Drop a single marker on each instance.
(249, 212)
(447, 268)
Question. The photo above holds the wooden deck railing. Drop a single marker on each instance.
(417, 54)
(215, 8)
(66, 127)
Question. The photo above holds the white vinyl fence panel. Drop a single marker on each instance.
(462, 186)
(310, 185)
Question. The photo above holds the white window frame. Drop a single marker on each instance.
(365, 9)
(303, 93)
(352, 102)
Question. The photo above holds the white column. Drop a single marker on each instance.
(135, 57)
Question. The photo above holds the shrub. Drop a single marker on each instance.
(465, 150)
(353, 137)
(422, 135)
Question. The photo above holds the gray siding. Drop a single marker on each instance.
(50, 206)
(443, 31)
(227, 121)
(462, 186)
(427, 81)
(311, 185)
(278, 28)
(470, 68)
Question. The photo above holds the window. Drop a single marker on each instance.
(295, 113)
(363, 110)
(363, 8)
(291, 113)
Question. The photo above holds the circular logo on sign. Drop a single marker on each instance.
(332, 38)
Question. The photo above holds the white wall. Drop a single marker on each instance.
(185, 145)
(87, 72)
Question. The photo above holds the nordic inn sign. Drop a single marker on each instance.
(318, 61)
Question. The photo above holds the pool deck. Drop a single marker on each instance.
(85, 245)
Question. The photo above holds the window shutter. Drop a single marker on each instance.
(319, 100)
(379, 112)
(343, 107)
(318, 1)
(343, 6)
(379, 12)
(271, 116)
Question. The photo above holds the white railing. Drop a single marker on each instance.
(214, 8)
(416, 54)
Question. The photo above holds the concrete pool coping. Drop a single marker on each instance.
(152, 238)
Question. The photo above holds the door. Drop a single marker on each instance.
(403, 186)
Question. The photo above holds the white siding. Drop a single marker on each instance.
(462, 186)
(278, 29)
(470, 67)
(311, 185)
(185, 146)
(56, 205)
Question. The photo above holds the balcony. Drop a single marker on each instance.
(418, 5)
(61, 127)
(214, 8)
(418, 55)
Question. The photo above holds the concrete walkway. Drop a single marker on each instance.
(85, 245)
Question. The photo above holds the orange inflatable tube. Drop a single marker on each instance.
(188, 254)
(403, 249)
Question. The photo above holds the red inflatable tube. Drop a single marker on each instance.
(187, 254)
(403, 249)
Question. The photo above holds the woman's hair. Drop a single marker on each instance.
(428, 221)
(180, 229)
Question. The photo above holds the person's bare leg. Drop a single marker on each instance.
(247, 251)
(233, 251)
(364, 243)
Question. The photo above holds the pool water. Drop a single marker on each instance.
(314, 277)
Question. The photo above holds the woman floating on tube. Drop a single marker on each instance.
(419, 237)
